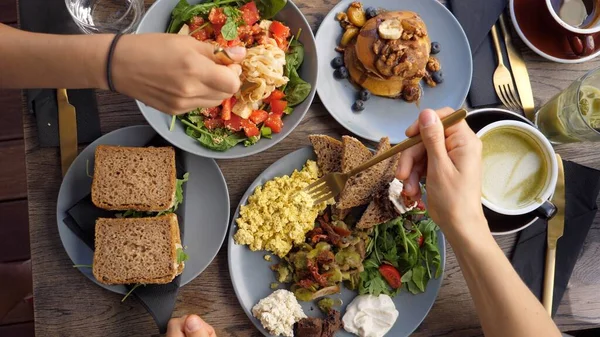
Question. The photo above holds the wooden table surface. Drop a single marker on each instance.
(68, 304)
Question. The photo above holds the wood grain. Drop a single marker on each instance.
(66, 303)
(12, 170)
(14, 231)
(11, 124)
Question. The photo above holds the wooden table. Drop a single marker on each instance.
(68, 304)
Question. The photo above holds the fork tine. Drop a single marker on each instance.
(321, 193)
(513, 95)
(315, 185)
(499, 94)
(323, 198)
(507, 101)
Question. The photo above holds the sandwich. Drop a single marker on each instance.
(138, 250)
(139, 179)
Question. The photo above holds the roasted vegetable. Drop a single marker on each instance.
(347, 259)
(326, 304)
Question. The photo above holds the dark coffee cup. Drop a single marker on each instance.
(579, 21)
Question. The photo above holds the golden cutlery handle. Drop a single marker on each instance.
(549, 279)
(504, 30)
(447, 121)
(494, 32)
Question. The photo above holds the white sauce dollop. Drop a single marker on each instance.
(396, 188)
(370, 316)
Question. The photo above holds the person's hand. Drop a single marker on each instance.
(452, 163)
(174, 73)
(189, 326)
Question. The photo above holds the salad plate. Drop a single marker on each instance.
(219, 140)
(203, 215)
(251, 274)
(384, 116)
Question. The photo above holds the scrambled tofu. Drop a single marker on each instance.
(278, 214)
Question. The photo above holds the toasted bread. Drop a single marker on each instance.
(134, 178)
(354, 153)
(137, 250)
(329, 153)
(361, 188)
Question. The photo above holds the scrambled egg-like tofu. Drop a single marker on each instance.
(278, 214)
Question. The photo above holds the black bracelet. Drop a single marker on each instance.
(111, 51)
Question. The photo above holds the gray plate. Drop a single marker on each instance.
(390, 117)
(204, 222)
(157, 19)
(252, 277)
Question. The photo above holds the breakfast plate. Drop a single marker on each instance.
(251, 274)
(203, 215)
(157, 19)
(386, 116)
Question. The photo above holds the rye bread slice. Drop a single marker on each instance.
(328, 151)
(134, 178)
(377, 213)
(354, 153)
(361, 188)
(137, 250)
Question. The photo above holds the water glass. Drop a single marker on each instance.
(106, 16)
(573, 115)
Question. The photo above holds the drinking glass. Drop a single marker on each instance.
(573, 115)
(106, 16)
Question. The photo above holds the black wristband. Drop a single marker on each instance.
(111, 51)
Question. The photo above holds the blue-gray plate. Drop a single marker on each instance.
(385, 116)
(204, 222)
(251, 276)
(157, 19)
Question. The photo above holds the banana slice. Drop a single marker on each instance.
(390, 29)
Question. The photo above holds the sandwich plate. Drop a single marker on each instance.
(386, 117)
(251, 275)
(203, 222)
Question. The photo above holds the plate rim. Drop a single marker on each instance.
(231, 243)
(348, 126)
(121, 289)
(207, 153)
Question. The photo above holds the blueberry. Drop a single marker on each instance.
(341, 73)
(371, 12)
(337, 62)
(364, 95)
(359, 105)
(435, 48)
(437, 77)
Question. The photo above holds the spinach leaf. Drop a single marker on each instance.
(297, 89)
(294, 56)
(183, 12)
(217, 139)
(229, 30)
(269, 8)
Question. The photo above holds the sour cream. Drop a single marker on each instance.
(395, 196)
(370, 316)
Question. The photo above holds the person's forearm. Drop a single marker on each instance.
(31, 60)
(506, 307)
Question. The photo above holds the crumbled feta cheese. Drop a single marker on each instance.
(279, 312)
(395, 195)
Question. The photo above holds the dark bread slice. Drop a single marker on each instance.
(354, 153)
(136, 250)
(134, 178)
(361, 188)
(328, 151)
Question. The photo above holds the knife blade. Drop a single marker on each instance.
(520, 74)
(67, 130)
(556, 227)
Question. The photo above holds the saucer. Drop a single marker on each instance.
(500, 224)
(529, 28)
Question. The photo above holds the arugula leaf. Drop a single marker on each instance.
(419, 277)
(269, 8)
(179, 191)
(181, 256)
(83, 266)
(297, 89)
(131, 291)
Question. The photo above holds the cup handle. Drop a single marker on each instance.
(582, 45)
(547, 210)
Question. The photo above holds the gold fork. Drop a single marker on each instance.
(332, 184)
(503, 81)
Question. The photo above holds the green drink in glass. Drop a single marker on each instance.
(573, 115)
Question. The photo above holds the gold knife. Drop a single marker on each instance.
(519, 70)
(67, 130)
(556, 227)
